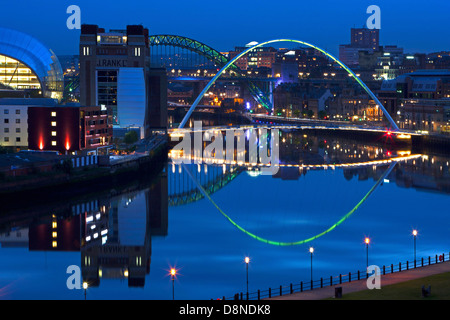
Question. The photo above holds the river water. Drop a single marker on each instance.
(330, 194)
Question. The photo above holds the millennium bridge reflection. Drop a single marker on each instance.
(113, 230)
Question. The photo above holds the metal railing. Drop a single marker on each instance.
(336, 280)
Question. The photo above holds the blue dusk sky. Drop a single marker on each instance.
(417, 26)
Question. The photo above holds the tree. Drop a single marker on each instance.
(131, 137)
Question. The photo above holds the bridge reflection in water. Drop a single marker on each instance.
(203, 176)
(113, 231)
(299, 152)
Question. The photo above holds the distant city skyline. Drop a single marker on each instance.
(408, 24)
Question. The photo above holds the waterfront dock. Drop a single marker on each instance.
(30, 171)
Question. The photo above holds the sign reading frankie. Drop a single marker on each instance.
(111, 63)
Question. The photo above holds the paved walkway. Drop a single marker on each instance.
(359, 285)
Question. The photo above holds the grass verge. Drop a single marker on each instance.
(408, 290)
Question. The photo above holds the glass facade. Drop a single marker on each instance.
(25, 63)
(15, 75)
(107, 91)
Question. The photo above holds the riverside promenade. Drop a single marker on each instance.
(360, 285)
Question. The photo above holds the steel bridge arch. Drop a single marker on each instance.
(190, 44)
(213, 55)
(232, 61)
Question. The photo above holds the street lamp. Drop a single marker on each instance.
(247, 261)
(367, 241)
(173, 273)
(415, 236)
(311, 251)
(85, 286)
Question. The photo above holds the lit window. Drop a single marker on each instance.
(54, 234)
(53, 133)
(53, 123)
(54, 224)
(53, 113)
(54, 244)
(53, 143)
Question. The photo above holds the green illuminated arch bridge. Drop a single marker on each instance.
(230, 64)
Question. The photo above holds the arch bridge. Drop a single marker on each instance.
(217, 58)
(230, 65)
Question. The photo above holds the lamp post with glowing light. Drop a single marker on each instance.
(247, 261)
(311, 251)
(173, 273)
(367, 241)
(415, 236)
(85, 286)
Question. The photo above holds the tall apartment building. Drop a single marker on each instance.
(365, 38)
(114, 65)
(115, 72)
(361, 39)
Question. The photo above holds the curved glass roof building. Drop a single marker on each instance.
(28, 65)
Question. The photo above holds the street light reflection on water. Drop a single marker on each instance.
(168, 221)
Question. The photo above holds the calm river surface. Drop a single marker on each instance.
(125, 241)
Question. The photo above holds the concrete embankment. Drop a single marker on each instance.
(105, 172)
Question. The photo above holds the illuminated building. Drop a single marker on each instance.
(361, 39)
(28, 67)
(67, 128)
(115, 73)
(365, 38)
(116, 241)
(55, 235)
(43, 124)
(13, 125)
(262, 57)
(419, 99)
